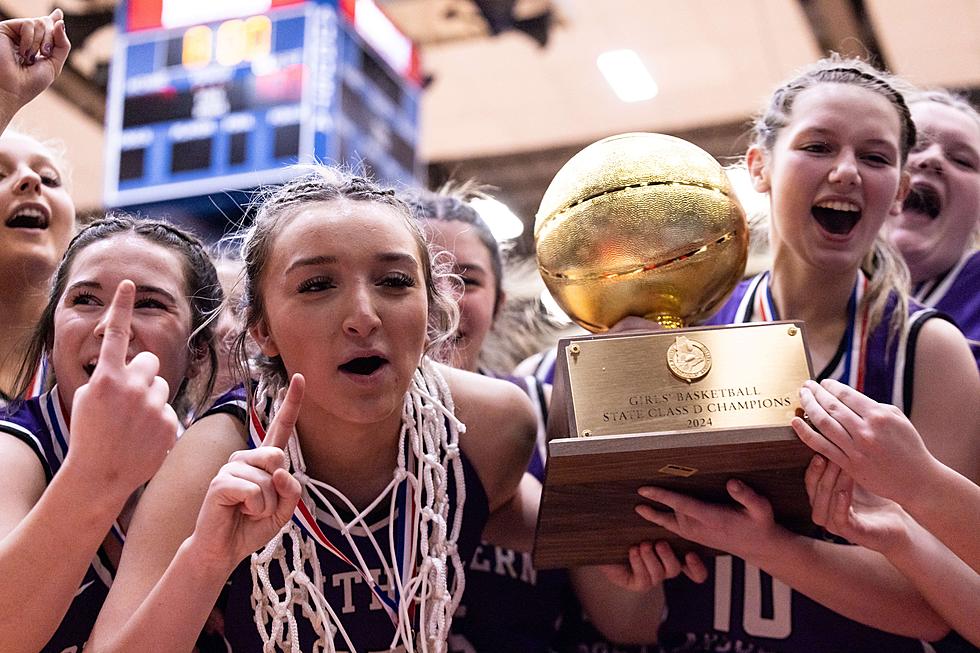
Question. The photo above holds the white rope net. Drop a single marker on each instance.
(428, 448)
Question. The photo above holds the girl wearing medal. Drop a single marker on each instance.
(37, 216)
(830, 151)
(124, 329)
(395, 460)
(937, 230)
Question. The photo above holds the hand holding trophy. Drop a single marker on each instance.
(648, 225)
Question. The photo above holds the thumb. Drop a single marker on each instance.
(61, 46)
(289, 492)
(756, 505)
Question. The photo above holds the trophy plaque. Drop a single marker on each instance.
(648, 225)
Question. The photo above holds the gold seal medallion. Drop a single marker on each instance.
(688, 360)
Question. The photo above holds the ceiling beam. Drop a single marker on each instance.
(520, 179)
(844, 26)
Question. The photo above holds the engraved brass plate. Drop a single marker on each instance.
(724, 378)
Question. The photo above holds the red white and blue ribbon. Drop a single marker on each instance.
(38, 381)
(852, 370)
(306, 521)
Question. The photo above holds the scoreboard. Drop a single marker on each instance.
(208, 96)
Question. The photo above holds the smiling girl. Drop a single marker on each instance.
(37, 216)
(937, 229)
(830, 151)
(124, 329)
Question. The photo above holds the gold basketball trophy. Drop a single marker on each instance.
(648, 225)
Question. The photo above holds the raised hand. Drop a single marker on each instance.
(849, 511)
(745, 531)
(253, 495)
(874, 443)
(122, 425)
(32, 53)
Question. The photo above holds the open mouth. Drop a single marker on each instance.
(364, 366)
(925, 200)
(27, 218)
(837, 217)
(89, 369)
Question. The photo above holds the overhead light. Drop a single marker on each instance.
(629, 78)
(504, 225)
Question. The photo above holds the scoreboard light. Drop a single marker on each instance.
(378, 30)
(180, 13)
(210, 96)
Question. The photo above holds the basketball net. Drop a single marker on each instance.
(421, 542)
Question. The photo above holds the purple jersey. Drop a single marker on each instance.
(360, 612)
(740, 607)
(508, 605)
(956, 292)
(39, 382)
(40, 423)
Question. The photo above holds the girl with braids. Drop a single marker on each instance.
(830, 151)
(125, 328)
(344, 304)
(37, 217)
(938, 227)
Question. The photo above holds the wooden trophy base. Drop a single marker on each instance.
(684, 409)
(587, 511)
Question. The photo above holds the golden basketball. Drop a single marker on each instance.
(640, 224)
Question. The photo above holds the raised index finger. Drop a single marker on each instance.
(115, 336)
(285, 420)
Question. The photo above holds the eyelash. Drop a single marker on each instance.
(83, 298)
(315, 284)
(149, 303)
(877, 159)
(393, 280)
(398, 280)
(88, 299)
(817, 148)
(48, 180)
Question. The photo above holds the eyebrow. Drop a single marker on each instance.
(95, 285)
(383, 257)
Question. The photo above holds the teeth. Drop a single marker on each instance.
(32, 213)
(838, 205)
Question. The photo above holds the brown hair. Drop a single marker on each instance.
(317, 184)
(451, 204)
(201, 285)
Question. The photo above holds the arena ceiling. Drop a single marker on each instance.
(513, 87)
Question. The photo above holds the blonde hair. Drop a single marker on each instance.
(55, 147)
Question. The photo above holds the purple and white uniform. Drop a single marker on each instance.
(361, 613)
(40, 424)
(740, 607)
(956, 292)
(508, 605)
